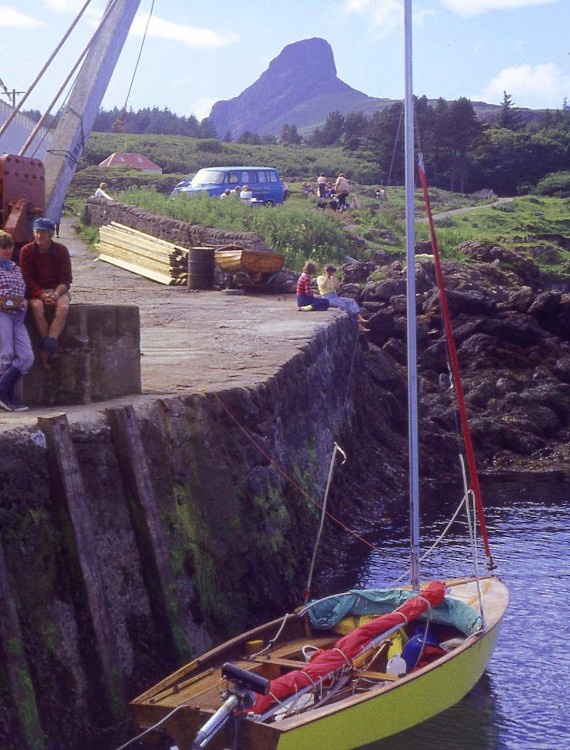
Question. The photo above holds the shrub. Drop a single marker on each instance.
(556, 183)
(296, 229)
(210, 145)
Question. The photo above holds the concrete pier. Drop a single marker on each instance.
(98, 358)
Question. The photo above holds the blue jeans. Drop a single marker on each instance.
(318, 303)
(15, 345)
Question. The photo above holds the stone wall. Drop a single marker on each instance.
(98, 358)
(130, 544)
(99, 212)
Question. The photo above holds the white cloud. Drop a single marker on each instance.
(13, 19)
(385, 15)
(476, 7)
(202, 107)
(64, 6)
(191, 36)
(539, 86)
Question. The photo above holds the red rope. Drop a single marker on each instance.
(454, 363)
(290, 479)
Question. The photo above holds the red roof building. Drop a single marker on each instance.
(131, 161)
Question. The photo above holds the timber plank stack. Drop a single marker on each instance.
(143, 254)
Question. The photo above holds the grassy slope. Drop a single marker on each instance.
(298, 228)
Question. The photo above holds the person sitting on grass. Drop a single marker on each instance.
(46, 268)
(307, 300)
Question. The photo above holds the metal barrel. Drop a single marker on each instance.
(201, 267)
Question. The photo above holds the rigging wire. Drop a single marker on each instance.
(336, 449)
(472, 524)
(396, 139)
(119, 125)
(466, 432)
(154, 726)
(17, 108)
(290, 479)
(78, 62)
(139, 55)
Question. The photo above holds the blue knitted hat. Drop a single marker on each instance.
(45, 224)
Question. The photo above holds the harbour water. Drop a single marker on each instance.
(522, 700)
(521, 703)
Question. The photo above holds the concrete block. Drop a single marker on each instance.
(98, 358)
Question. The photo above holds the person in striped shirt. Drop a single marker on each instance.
(307, 300)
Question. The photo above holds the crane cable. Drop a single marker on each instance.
(64, 84)
(119, 123)
(18, 107)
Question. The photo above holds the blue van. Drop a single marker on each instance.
(265, 182)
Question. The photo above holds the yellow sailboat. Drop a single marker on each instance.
(357, 667)
(361, 701)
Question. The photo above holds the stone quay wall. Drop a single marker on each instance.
(133, 543)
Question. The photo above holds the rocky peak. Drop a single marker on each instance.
(303, 74)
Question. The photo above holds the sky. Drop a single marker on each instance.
(195, 54)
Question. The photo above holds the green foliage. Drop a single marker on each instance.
(210, 146)
(502, 157)
(296, 228)
(556, 183)
(509, 116)
(506, 208)
(179, 156)
(119, 179)
(89, 235)
(466, 148)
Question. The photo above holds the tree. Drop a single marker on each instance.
(207, 129)
(384, 139)
(247, 136)
(289, 135)
(465, 130)
(333, 129)
(509, 116)
(355, 125)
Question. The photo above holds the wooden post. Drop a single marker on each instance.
(151, 539)
(11, 643)
(65, 466)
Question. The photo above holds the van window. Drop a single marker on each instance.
(248, 177)
(233, 178)
(208, 177)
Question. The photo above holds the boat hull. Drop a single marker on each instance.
(249, 261)
(401, 706)
(359, 719)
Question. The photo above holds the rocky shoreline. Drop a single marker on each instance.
(512, 331)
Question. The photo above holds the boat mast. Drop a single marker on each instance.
(411, 303)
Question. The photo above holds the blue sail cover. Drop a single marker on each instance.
(326, 613)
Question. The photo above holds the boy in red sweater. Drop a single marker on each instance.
(46, 268)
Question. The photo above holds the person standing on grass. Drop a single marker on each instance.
(16, 355)
(322, 185)
(46, 268)
(341, 191)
